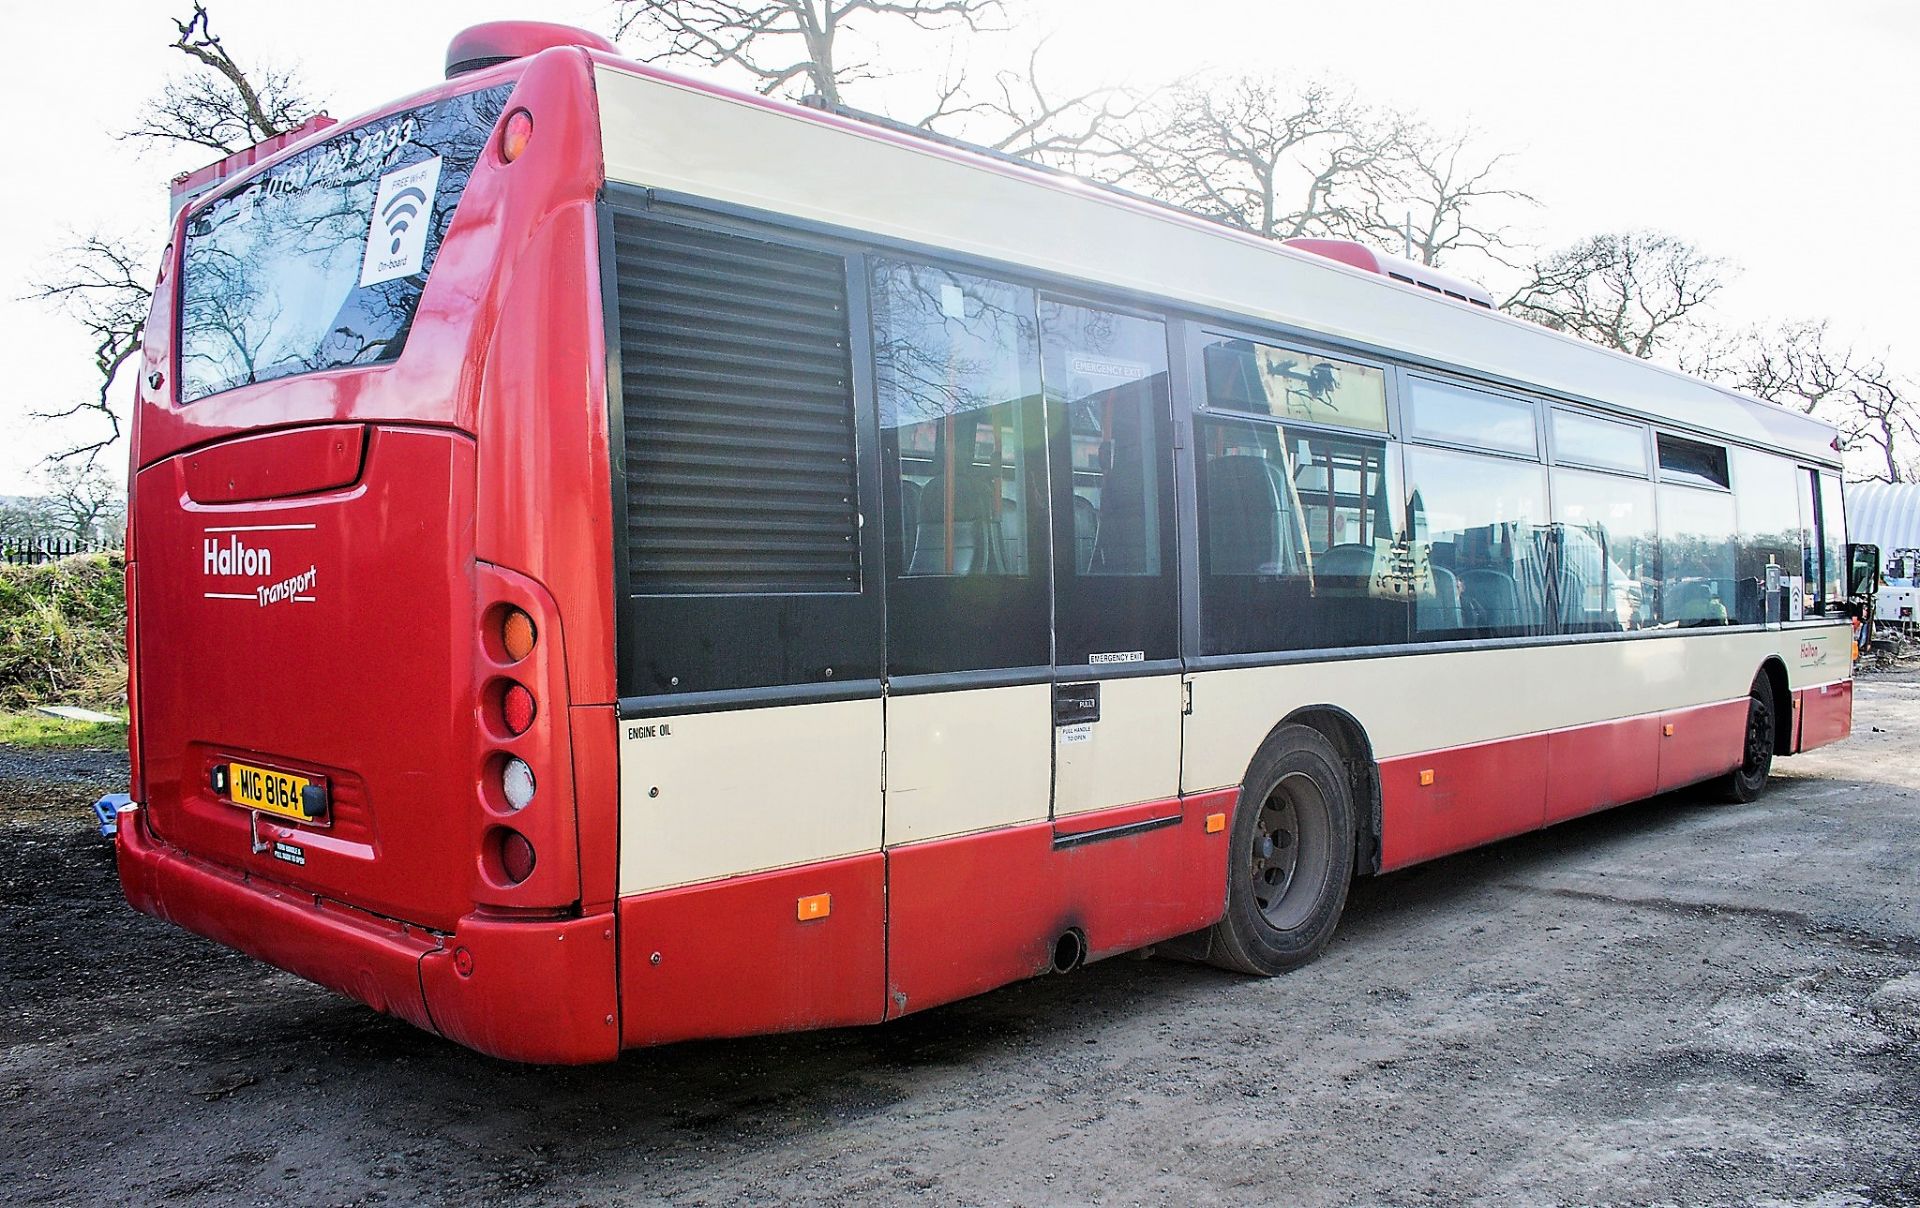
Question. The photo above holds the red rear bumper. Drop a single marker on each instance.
(524, 990)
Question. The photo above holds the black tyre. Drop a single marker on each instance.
(1290, 856)
(1744, 783)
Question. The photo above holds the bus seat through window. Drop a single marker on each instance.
(1249, 525)
(974, 530)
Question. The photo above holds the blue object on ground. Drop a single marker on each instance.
(107, 810)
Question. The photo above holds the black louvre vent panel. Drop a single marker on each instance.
(738, 405)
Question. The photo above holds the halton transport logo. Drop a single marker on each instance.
(245, 552)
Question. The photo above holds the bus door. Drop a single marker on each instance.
(1117, 692)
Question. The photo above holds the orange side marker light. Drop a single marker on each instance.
(1426, 777)
(1667, 729)
(815, 906)
(1216, 823)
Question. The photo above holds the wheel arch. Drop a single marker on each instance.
(1775, 672)
(1350, 739)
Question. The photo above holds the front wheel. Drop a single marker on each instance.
(1291, 856)
(1744, 783)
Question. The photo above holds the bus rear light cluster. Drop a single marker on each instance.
(510, 709)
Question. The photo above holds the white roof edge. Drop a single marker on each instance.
(689, 137)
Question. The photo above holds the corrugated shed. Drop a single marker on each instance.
(1884, 514)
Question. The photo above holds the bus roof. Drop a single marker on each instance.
(702, 141)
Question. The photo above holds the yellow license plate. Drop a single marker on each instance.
(266, 790)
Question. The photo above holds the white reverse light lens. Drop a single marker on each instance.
(517, 783)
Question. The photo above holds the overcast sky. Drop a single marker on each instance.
(1779, 135)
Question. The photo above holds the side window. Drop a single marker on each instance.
(1609, 566)
(1108, 414)
(1833, 542)
(1769, 516)
(1808, 492)
(1690, 462)
(1480, 545)
(1293, 384)
(1598, 443)
(957, 375)
(1461, 415)
(1697, 554)
(1298, 545)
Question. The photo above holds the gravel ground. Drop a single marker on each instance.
(1672, 1002)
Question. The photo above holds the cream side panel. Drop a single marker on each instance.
(966, 761)
(1131, 754)
(745, 790)
(1433, 701)
(668, 135)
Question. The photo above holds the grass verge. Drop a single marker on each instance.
(36, 730)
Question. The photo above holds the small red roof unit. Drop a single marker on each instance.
(1407, 272)
(482, 46)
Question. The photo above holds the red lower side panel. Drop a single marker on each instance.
(1594, 767)
(1700, 743)
(1476, 794)
(734, 957)
(1471, 795)
(966, 915)
(1826, 714)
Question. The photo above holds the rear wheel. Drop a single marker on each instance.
(1744, 783)
(1291, 856)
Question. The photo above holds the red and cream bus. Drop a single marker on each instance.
(617, 560)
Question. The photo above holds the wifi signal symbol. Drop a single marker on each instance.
(400, 211)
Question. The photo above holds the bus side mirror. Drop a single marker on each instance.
(1864, 564)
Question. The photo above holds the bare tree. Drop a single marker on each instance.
(222, 105)
(1430, 197)
(791, 48)
(1877, 414)
(105, 288)
(219, 105)
(1637, 291)
(1258, 155)
(83, 501)
(1793, 362)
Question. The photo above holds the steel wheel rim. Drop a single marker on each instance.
(1289, 840)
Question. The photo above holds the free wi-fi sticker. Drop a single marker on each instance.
(402, 211)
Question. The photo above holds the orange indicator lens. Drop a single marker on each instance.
(516, 635)
(515, 136)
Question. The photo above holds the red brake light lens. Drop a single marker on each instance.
(515, 135)
(516, 856)
(517, 708)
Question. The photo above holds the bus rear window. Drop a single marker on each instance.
(319, 262)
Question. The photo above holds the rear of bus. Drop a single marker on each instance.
(368, 581)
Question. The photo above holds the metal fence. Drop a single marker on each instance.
(29, 551)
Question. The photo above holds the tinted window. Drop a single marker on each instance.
(1107, 408)
(963, 443)
(1588, 440)
(1807, 492)
(1691, 462)
(319, 263)
(1459, 415)
(1609, 565)
(1298, 546)
(1480, 543)
(1768, 511)
(1697, 557)
(1288, 384)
